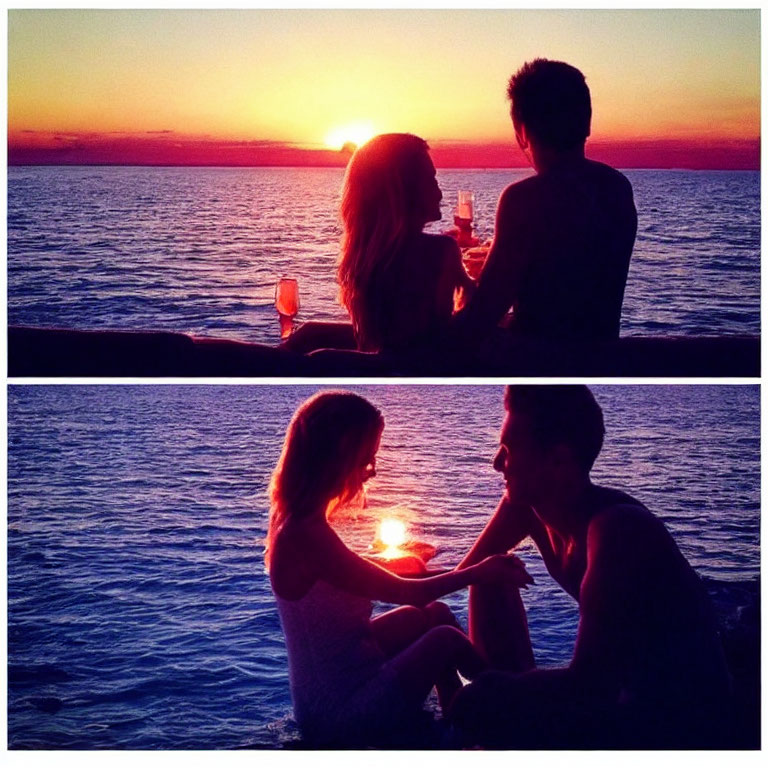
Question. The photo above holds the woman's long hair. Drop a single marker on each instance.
(380, 209)
(330, 436)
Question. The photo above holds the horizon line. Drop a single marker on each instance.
(171, 150)
(289, 166)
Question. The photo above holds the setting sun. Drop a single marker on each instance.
(299, 88)
(352, 133)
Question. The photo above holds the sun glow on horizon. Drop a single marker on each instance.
(351, 133)
(299, 87)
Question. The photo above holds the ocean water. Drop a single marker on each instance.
(199, 249)
(139, 613)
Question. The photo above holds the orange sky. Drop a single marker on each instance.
(257, 87)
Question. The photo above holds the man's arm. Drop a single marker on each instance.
(614, 597)
(608, 608)
(492, 707)
(608, 611)
(509, 525)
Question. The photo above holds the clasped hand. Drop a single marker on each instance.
(508, 568)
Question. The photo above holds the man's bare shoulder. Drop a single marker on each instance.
(621, 538)
(520, 189)
(621, 513)
(627, 530)
(520, 197)
(608, 176)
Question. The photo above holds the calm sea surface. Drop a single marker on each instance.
(200, 249)
(139, 614)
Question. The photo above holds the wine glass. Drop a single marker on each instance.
(466, 205)
(462, 218)
(287, 303)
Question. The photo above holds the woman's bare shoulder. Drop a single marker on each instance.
(439, 242)
(293, 569)
(441, 248)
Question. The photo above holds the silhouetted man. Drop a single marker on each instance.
(648, 670)
(564, 237)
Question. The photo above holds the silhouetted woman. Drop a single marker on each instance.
(356, 679)
(396, 281)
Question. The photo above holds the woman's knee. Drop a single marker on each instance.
(417, 618)
(448, 639)
(400, 626)
(452, 648)
(439, 614)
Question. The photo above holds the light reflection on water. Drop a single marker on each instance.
(137, 594)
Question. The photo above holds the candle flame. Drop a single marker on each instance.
(392, 532)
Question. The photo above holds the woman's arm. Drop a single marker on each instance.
(313, 335)
(455, 262)
(345, 570)
(454, 277)
(504, 268)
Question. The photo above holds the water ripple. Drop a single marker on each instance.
(200, 249)
(139, 614)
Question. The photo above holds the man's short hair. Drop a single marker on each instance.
(560, 414)
(551, 99)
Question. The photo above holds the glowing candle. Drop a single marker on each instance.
(393, 550)
(392, 533)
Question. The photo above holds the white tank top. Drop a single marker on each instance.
(331, 651)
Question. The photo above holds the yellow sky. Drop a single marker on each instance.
(295, 75)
